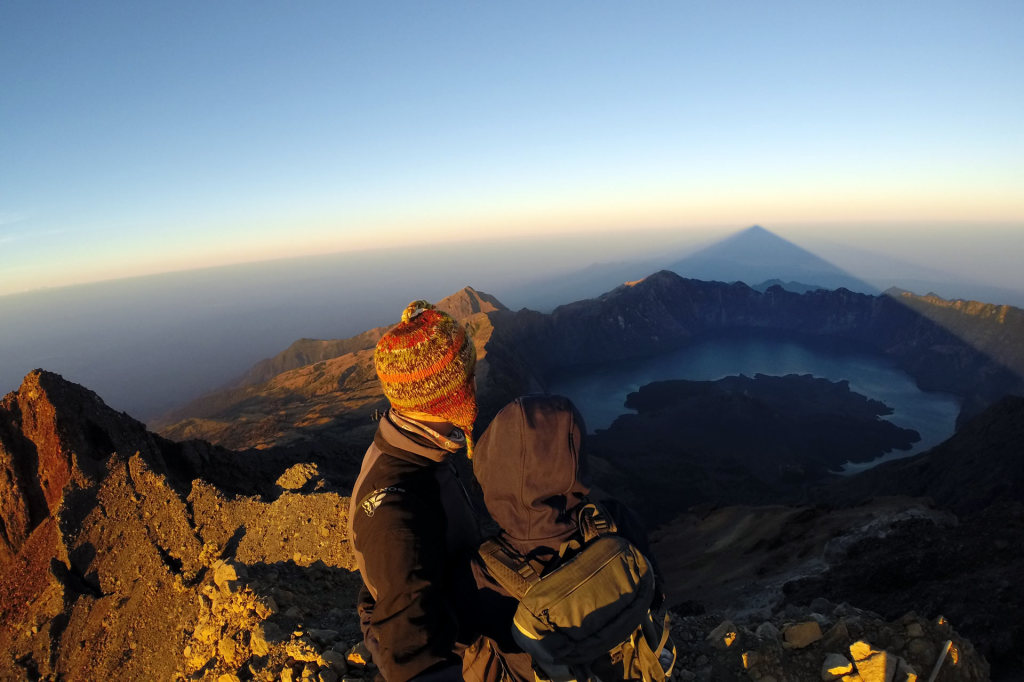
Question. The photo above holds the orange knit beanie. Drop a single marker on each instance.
(425, 364)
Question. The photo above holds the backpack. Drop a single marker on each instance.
(590, 614)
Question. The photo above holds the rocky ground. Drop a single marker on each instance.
(123, 574)
(970, 571)
(178, 561)
(742, 558)
(825, 642)
(126, 555)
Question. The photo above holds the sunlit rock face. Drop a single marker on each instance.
(115, 541)
(53, 433)
(325, 394)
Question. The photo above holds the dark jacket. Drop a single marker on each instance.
(412, 530)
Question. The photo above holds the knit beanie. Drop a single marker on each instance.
(425, 365)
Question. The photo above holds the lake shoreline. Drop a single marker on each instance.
(600, 392)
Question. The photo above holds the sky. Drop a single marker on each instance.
(138, 138)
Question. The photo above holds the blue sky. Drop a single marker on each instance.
(149, 137)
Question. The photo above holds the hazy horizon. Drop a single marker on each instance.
(188, 188)
(149, 344)
(978, 253)
(241, 133)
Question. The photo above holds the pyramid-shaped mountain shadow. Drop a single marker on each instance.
(756, 255)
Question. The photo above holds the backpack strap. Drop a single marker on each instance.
(654, 649)
(594, 520)
(510, 569)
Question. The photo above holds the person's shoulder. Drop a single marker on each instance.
(394, 487)
(371, 501)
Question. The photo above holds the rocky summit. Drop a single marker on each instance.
(143, 563)
(124, 558)
(125, 554)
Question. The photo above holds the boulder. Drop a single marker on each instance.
(358, 655)
(323, 636)
(873, 665)
(334, 660)
(835, 667)
(298, 475)
(767, 631)
(800, 635)
(723, 636)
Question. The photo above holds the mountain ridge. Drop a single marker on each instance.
(969, 350)
(333, 397)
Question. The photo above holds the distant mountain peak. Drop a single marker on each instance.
(795, 287)
(468, 301)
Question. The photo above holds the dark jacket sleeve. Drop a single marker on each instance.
(409, 623)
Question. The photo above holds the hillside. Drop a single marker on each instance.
(969, 350)
(961, 475)
(326, 392)
(128, 556)
(966, 352)
(739, 440)
(461, 305)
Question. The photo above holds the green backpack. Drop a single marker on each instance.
(590, 615)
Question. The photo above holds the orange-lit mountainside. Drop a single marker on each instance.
(971, 350)
(216, 549)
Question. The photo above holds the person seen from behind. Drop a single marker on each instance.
(570, 571)
(410, 522)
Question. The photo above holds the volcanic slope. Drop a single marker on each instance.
(115, 542)
(128, 556)
(973, 350)
(326, 393)
(865, 541)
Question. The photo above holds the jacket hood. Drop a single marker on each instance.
(531, 468)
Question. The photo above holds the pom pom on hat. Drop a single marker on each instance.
(426, 363)
(416, 308)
